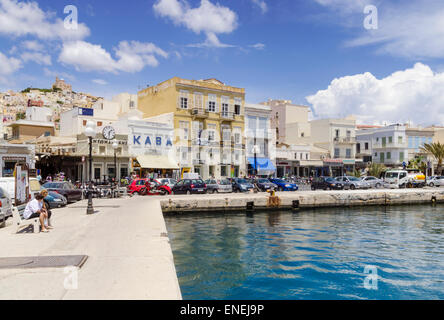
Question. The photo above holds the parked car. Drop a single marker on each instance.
(167, 181)
(353, 183)
(136, 186)
(189, 186)
(5, 206)
(435, 181)
(264, 185)
(373, 181)
(326, 183)
(241, 185)
(66, 189)
(219, 186)
(55, 200)
(283, 185)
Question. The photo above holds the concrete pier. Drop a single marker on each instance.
(126, 241)
(301, 200)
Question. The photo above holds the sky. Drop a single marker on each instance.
(381, 60)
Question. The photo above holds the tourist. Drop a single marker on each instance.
(47, 207)
(34, 209)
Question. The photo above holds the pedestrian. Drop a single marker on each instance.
(34, 209)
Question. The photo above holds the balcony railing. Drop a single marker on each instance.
(227, 115)
(345, 139)
(200, 112)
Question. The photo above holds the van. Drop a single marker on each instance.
(404, 179)
(5, 206)
(8, 184)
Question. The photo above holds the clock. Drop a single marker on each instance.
(109, 133)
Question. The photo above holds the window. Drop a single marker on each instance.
(348, 153)
(337, 153)
(302, 134)
(366, 146)
(223, 171)
(301, 155)
(401, 156)
(306, 156)
(237, 106)
(97, 173)
(212, 103)
(198, 100)
(99, 123)
(384, 141)
(183, 99)
(185, 127)
(389, 155)
(400, 139)
(102, 149)
(237, 138)
(337, 133)
(225, 106)
(84, 123)
(390, 139)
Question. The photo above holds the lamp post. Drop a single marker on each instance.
(256, 150)
(90, 132)
(115, 146)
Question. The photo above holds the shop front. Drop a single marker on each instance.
(154, 166)
(12, 154)
(333, 167)
(264, 166)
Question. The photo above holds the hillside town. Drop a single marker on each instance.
(194, 126)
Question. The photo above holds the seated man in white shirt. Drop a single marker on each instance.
(34, 209)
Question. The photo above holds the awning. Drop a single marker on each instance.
(263, 164)
(311, 163)
(157, 162)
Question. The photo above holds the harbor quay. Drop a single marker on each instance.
(300, 200)
(126, 250)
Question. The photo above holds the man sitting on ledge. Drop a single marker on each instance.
(34, 209)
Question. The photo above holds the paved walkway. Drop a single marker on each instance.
(129, 254)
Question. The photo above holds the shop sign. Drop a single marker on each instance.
(148, 141)
(17, 159)
(86, 112)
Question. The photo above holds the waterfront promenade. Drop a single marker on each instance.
(126, 241)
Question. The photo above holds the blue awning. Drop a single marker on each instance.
(263, 164)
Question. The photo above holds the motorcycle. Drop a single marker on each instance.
(154, 189)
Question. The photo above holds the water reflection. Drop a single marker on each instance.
(310, 255)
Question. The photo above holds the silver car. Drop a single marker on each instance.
(5, 206)
(219, 186)
(353, 183)
(167, 181)
(373, 181)
(435, 181)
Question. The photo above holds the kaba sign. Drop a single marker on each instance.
(137, 140)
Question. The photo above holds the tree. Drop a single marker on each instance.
(375, 169)
(418, 163)
(437, 151)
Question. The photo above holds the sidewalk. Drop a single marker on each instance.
(129, 255)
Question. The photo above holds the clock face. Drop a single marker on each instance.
(109, 133)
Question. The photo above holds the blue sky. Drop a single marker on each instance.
(281, 49)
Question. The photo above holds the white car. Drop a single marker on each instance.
(167, 181)
(5, 206)
(435, 181)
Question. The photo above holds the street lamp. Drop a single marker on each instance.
(256, 150)
(90, 132)
(115, 145)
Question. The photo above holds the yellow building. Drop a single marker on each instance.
(208, 118)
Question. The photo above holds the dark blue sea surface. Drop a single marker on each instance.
(360, 253)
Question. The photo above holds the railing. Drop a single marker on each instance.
(227, 115)
(199, 112)
(345, 139)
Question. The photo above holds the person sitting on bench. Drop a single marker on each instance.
(47, 207)
(34, 209)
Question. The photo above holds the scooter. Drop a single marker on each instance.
(155, 189)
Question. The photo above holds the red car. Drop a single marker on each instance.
(136, 186)
(143, 187)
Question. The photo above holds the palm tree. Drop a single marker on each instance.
(375, 169)
(437, 151)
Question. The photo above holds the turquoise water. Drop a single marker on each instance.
(319, 254)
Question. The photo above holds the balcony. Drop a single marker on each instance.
(227, 116)
(200, 113)
(345, 140)
(197, 162)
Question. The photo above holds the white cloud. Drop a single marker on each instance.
(261, 4)
(258, 46)
(26, 18)
(210, 19)
(38, 57)
(8, 65)
(132, 56)
(414, 94)
(32, 45)
(413, 30)
(100, 81)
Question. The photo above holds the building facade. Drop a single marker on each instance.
(208, 119)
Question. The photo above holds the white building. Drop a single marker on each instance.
(41, 114)
(338, 136)
(258, 133)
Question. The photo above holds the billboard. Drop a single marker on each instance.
(86, 112)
